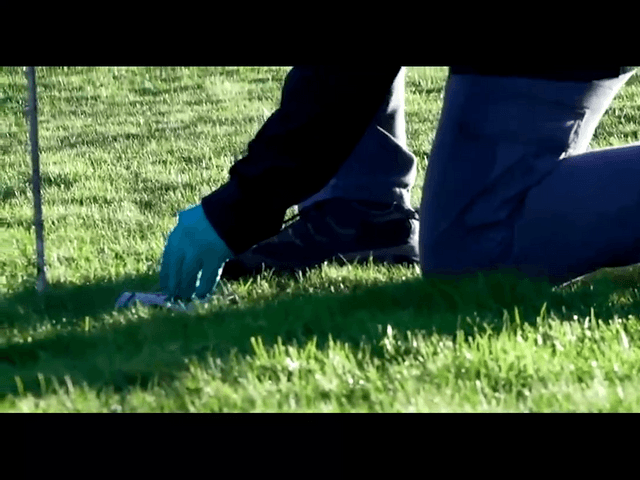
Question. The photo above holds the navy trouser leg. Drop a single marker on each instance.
(380, 169)
(509, 184)
(583, 217)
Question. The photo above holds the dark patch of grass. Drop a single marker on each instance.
(120, 354)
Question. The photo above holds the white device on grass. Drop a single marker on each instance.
(157, 299)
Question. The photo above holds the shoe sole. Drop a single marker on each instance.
(401, 255)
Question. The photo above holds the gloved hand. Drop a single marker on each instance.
(193, 246)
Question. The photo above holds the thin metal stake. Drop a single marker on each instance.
(32, 109)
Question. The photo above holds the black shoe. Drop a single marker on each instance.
(334, 229)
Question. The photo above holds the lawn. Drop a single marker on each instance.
(123, 149)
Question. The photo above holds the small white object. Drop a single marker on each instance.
(129, 299)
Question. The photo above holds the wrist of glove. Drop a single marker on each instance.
(193, 258)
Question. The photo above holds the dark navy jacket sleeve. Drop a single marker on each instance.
(323, 113)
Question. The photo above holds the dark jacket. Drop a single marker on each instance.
(324, 112)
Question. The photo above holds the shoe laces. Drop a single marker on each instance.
(314, 208)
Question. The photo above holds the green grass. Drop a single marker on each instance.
(124, 149)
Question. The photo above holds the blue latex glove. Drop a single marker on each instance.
(193, 246)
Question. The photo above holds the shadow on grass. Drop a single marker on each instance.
(69, 302)
(141, 347)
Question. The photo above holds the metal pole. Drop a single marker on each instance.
(32, 109)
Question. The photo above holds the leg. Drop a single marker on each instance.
(380, 169)
(582, 217)
(363, 212)
(500, 140)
